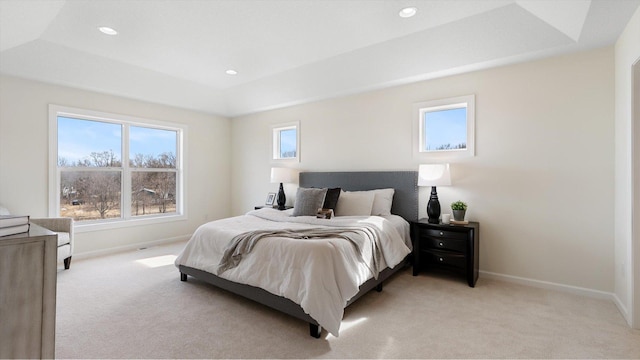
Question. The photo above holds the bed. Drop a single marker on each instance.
(307, 301)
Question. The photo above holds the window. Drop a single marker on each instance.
(285, 142)
(107, 168)
(445, 128)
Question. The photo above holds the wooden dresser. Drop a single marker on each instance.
(28, 273)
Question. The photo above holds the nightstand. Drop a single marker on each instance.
(275, 207)
(444, 246)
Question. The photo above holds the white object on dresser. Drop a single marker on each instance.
(446, 218)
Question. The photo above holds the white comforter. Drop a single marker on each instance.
(320, 275)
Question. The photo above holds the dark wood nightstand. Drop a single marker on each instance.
(275, 207)
(452, 247)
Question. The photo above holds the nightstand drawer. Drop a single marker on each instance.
(444, 258)
(428, 242)
(444, 234)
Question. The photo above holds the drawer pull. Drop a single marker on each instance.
(441, 233)
(441, 259)
(440, 243)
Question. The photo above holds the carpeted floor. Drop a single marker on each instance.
(133, 305)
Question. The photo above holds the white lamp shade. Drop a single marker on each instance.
(284, 175)
(434, 175)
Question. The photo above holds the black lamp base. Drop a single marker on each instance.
(282, 199)
(433, 207)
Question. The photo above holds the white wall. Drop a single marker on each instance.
(541, 183)
(24, 158)
(627, 52)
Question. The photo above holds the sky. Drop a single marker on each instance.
(445, 127)
(287, 140)
(77, 139)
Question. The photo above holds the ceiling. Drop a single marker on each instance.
(285, 51)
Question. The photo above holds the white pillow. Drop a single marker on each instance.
(382, 202)
(355, 203)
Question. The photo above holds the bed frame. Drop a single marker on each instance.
(405, 204)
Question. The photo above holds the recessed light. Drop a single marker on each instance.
(107, 30)
(231, 72)
(408, 12)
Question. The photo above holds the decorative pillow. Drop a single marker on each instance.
(331, 199)
(308, 201)
(355, 203)
(382, 202)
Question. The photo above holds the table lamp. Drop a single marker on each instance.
(434, 175)
(282, 175)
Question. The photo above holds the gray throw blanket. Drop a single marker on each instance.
(358, 236)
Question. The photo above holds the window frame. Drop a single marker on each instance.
(419, 109)
(126, 218)
(276, 141)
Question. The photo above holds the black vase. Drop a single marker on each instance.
(282, 199)
(433, 207)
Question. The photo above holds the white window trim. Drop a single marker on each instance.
(443, 104)
(275, 141)
(126, 221)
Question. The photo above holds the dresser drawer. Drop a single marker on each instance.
(444, 234)
(446, 259)
(428, 242)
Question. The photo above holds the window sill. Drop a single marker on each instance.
(81, 227)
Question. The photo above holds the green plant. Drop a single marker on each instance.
(458, 205)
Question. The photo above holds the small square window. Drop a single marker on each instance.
(286, 142)
(445, 128)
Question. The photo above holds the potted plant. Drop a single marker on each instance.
(459, 208)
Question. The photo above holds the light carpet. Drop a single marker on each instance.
(133, 305)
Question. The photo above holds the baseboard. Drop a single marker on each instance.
(623, 309)
(550, 286)
(114, 250)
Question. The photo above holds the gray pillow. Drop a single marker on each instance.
(308, 201)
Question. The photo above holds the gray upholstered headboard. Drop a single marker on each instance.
(405, 199)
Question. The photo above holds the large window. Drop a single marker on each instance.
(445, 128)
(107, 168)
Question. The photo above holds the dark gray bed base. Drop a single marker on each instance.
(405, 204)
(278, 302)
